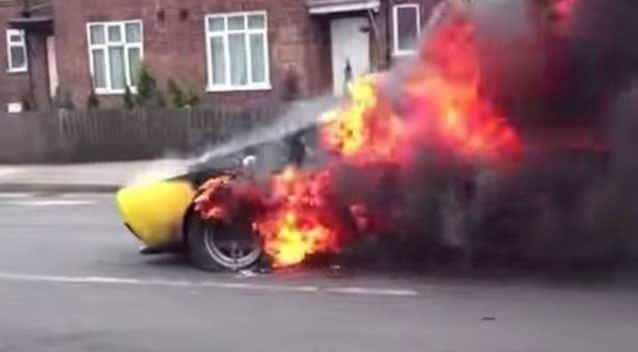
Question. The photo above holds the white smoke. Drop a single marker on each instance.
(159, 170)
(300, 115)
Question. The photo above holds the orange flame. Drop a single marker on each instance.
(298, 221)
(298, 225)
(290, 236)
(366, 123)
(209, 203)
(442, 106)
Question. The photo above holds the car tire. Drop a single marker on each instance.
(203, 253)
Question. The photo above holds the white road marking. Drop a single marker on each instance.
(16, 195)
(246, 274)
(203, 284)
(372, 291)
(87, 195)
(48, 203)
(6, 171)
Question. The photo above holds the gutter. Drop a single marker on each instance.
(320, 7)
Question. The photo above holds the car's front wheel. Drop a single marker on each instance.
(214, 246)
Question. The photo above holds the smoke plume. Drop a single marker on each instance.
(563, 73)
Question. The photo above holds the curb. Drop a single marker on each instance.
(58, 188)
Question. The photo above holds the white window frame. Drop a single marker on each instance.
(105, 47)
(22, 45)
(210, 86)
(395, 28)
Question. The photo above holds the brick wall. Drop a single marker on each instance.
(174, 45)
(14, 87)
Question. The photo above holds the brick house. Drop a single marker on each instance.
(15, 79)
(232, 52)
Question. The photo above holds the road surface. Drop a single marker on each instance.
(71, 280)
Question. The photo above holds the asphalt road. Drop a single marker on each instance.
(71, 280)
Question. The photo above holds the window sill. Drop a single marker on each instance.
(13, 71)
(222, 89)
(107, 92)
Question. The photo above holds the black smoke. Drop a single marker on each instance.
(560, 70)
(569, 205)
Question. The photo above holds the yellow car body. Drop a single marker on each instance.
(155, 211)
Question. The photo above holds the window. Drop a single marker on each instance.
(115, 53)
(237, 51)
(407, 28)
(16, 51)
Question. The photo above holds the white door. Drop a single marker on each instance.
(350, 50)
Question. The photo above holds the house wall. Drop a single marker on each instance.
(174, 45)
(175, 48)
(14, 87)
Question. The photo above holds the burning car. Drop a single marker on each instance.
(367, 165)
(172, 215)
(403, 145)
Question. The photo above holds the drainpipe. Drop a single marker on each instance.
(388, 32)
(26, 5)
(31, 94)
(377, 40)
(27, 43)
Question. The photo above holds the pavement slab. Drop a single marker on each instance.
(90, 177)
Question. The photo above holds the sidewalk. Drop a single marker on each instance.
(98, 177)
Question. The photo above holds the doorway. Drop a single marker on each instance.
(350, 44)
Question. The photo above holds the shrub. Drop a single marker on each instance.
(176, 95)
(148, 93)
(180, 99)
(192, 99)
